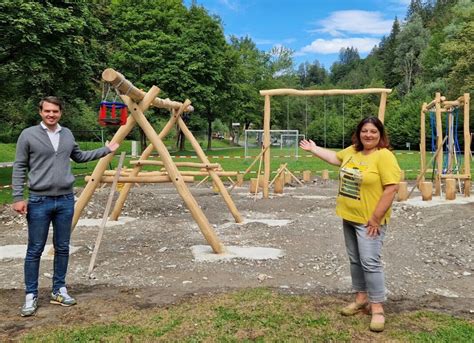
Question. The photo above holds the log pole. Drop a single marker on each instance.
(172, 170)
(213, 175)
(145, 155)
(402, 194)
(426, 188)
(106, 215)
(439, 145)
(467, 145)
(450, 189)
(266, 143)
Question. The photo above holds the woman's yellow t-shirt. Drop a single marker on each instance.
(361, 181)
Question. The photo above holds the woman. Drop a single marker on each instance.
(368, 181)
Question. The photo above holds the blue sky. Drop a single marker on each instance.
(313, 29)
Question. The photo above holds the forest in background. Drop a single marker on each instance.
(61, 48)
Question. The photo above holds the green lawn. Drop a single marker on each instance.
(256, 315)
(409, 161)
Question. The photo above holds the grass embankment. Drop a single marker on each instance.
(259, 315)
(409, 161)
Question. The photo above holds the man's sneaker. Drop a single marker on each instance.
(62, 298)
(30, 305)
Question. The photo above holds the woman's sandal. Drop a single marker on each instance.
(377, 326)
(353, 308)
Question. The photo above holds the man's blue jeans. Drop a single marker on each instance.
(42, 211)
(365, 256)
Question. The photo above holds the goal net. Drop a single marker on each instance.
(285, 140)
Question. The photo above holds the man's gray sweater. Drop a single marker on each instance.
(49, 171)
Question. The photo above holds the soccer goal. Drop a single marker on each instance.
(286, 140)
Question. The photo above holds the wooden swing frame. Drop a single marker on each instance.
(440, 105)
(138, 102)
(287, 91)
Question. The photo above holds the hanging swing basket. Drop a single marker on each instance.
(112, 113)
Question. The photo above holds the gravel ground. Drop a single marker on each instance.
(428, 253)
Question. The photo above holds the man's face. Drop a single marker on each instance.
(50, 113)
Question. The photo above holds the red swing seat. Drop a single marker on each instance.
(112, 119)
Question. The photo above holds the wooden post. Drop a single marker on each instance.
(467, 188)
(450, 189)
(258, 177)
(212, 173)
(99, 169)
(251, 165)
(402, 175)
(287, 177)
(439, 144)
(418, 182)
(279, 184)
(106, 214)
(144, 156)
(422, 140)
(426, 188)
(253, 185)
(171, 168)
(266, 143)
(402, 191)
(383, 103)
(240, 180)
(467, 146)
(325, 175)
(306, 175)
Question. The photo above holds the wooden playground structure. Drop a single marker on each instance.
(330, 92)
(138, 102)
(446, 164)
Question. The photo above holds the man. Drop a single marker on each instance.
(43, 152)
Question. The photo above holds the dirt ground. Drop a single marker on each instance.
(428, 255)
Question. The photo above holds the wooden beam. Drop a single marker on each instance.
(141, 179)
(422, 140)
(106, 214)
(212, 173)
(439, 144)
(178, 164)
(266, 143)
(467, 136)
(322, 92)
(383, 104)
(456, 176)
(125, 87)
(145, 155)
(173, 172)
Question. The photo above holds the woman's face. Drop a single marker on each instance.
(369, 136)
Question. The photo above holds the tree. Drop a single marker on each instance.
(311, 74)
(251, 72)
(411, 41)
(348, 59)
(458, 49)
(390, 77)
(48, 48)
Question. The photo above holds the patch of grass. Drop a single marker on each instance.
(260, 315)
(426, 326)
(408, 161)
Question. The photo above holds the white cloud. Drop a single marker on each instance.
(331, 46)
(232, 5)
(341, 23)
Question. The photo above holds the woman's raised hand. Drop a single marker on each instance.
(308, 145)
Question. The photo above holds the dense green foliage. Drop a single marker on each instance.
(56, 47)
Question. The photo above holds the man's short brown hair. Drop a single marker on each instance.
(52, 100)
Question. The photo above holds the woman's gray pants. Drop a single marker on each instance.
(366, 260)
